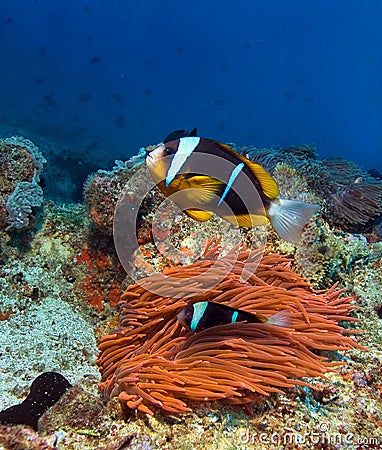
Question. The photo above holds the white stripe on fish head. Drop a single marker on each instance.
(199, 309)
(185, 148)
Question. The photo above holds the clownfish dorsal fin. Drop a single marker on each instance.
(198, 214)
(177, 134)
(267, 183)
(226, 148)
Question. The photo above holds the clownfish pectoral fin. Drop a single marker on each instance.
(281, 319)
(202, 189)
(198, 214)
(289, 217)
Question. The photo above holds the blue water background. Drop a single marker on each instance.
(109, 77)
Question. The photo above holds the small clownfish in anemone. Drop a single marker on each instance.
(203, 176)
(202, 315)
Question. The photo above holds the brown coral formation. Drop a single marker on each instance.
(103, 188)
(352, 198)
(150, 361)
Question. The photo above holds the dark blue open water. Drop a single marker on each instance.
(112, 76)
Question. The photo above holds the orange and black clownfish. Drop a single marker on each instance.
(202, 315)
(204, 176)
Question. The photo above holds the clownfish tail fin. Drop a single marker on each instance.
(289, 217)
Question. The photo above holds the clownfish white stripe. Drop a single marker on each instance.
(234, 316)
(232, 178)
(185, 149)
(199, 309)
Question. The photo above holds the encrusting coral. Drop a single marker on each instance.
(151, 361)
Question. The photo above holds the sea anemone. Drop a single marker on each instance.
(151, 361)
(356, 205)
(352, 197)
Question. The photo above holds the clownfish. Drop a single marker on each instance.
(202, 315)
(203, 176)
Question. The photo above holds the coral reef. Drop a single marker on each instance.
(377, 229)
(322, 258)
(25, 438)
(103, 276)
(150, 361)
(357, 198)
(21, 164)
(47, 326)
(78, 409)
(352, 199)
(26, 195)
(58, 286)
(103, 189)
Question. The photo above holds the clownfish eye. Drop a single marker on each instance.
(169, 151)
